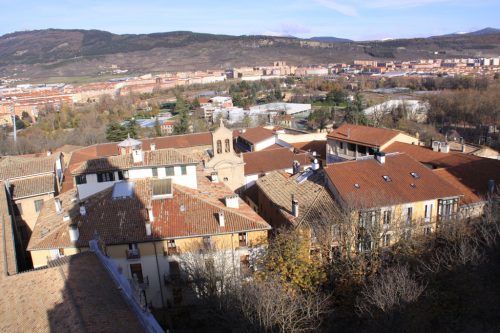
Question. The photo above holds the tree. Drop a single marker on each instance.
(354, 112)
(289, 261)
(157, 127)
(319, 118)
(182, 124)
(116, 132)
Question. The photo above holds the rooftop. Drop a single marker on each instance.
(187, 213)
(401, 179)
(76, 295)
(311, 194)
(31, 186)
(269, 160)
(123, 162)
(23, 166)
(254, 135)
(368, 136)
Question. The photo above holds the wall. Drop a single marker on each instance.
(400, 138)
(29, 214)
(39, 257)
(264, 144)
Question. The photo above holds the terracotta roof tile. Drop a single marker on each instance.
(26, 187)
(121, 221)
(314, 199)
(374, 191)
(472, 178)
(368, 136)
(254, 135)
(122, 162)
(16, 166)
(77, 296)
(269, 160)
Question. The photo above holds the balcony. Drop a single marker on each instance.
(133, 254)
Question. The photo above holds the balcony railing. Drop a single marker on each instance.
(133, 254)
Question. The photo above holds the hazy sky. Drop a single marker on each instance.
(354, 19)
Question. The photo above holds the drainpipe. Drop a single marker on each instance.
(159, 281)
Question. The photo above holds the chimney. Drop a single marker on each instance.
(295, 207)
(315, 165)
(137, 155)
(58, 204)
(151, 217)
(214, 177)
(220, 215)
(445, 147)
(380, 157)
(491, 186)
(152, 146)
(232, 201)
(296, 167)
(83, 210)
(74, 233)
(147, 224)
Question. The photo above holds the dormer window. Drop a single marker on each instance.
(387, 178)
(414, 175)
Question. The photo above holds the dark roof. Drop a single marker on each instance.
(269, 160)
(373, 191)
(318, 146)
(473, 177)
(368, 136)
(77, 295)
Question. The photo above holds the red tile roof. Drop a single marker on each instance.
(21, 166)
(368, 136)
(122, 221)
(373, 191)
(254, 135)
(269, 160)
(31, 186)
(318, 146)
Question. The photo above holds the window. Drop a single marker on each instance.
(219, 147)
(447, 209)
(172, 247)
(242, 237)
(38, 205)
(387, 217)
(169, 171)
(427, 230)
(155, 172)
(365, 243)
(228, 146)
(105, 177)
(133, 251)
(341, 145)
(407, 234)
(81, 179)
(387, 178)
(61, 252)
(136, 272)
(120, 175)
(386, 240)
(409, 215)
(207, 242)
(368, 219)
(183, 170)
(428, 213)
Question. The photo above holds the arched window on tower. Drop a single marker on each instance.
(228, 146)
(219, 147)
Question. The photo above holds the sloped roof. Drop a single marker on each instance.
(269, 160)
(373, 191)
(27, 187)
(366, 135)
(315, 201)
(318, 146)
(18, 166)
(472, 178)
(122, 162)
(122, 221)
(77, 295)
(254, 135)
(428, 156)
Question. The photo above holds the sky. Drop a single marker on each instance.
(353, 19)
